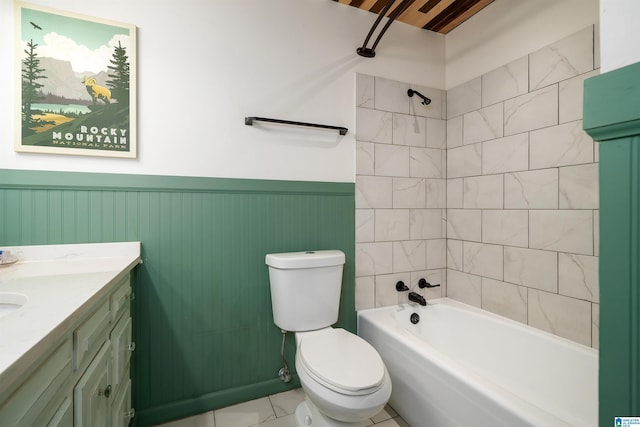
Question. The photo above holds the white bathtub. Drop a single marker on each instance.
(461, 366)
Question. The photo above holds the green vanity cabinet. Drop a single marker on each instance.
(83, 380)
(102, 396)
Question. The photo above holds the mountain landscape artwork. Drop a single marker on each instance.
(76, 80)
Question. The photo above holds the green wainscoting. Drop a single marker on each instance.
(203, 324)
(612, 116)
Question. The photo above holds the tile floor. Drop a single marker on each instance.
(274, 411)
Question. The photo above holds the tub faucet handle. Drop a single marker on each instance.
(401, 287)
(422, 283)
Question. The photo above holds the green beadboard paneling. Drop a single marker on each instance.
(612, 115)
(202, 313)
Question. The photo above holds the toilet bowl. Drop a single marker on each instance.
(343, 377)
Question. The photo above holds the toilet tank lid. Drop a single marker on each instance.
(308, 259)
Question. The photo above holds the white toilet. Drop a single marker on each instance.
(343, 376)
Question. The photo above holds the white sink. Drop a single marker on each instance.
(10, 302)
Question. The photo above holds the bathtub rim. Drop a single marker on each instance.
(482, 312)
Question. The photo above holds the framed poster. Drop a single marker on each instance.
(76, 84)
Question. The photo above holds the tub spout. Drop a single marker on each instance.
(416, 297)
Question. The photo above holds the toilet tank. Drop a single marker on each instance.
(305, 288)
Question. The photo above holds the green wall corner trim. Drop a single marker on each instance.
(15, 178)
(612, 104)
(612, 115)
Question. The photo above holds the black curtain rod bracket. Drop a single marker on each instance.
(249, 122)
(370, 52)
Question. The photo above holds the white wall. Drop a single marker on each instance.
(217, 62)
(620, 33)
(510, 29)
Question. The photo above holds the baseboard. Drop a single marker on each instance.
(211, 401)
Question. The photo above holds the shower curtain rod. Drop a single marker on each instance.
(249, 122)
(370, 52)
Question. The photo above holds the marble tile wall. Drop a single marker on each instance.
(522, 191)
(401, 190)
(491, 191)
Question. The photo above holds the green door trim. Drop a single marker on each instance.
(612, 104)
(612, 117)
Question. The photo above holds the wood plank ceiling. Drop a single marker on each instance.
(440, 16)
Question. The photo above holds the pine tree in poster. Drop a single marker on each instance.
(31, 74)
(119, 79)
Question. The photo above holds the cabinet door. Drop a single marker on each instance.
(122, 347)
(64, 415)
(91, 394)
(121, 411)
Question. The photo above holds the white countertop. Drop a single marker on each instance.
(60, 282)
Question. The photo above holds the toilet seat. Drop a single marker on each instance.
(341, 361)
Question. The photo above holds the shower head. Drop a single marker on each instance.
(425, 100)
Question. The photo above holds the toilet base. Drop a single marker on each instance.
(308, 415)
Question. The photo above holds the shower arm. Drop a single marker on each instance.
(425, 100)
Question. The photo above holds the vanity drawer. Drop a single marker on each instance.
(32, 401)
(88, 338)
(120, 298)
